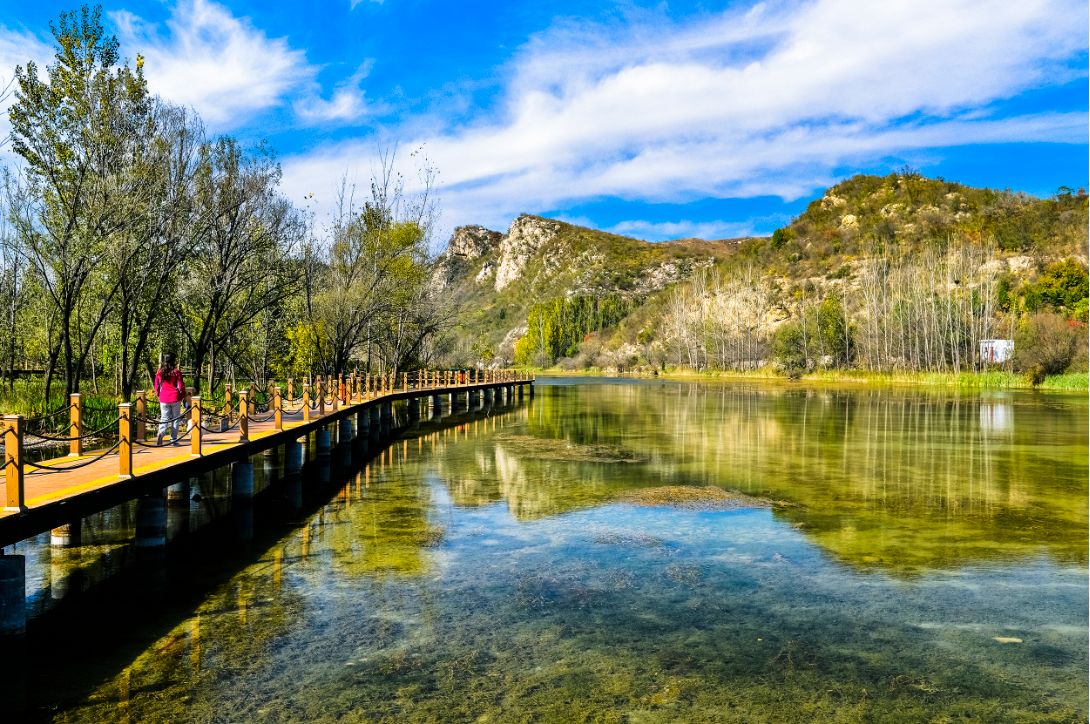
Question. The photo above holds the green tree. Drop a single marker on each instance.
(76, 131)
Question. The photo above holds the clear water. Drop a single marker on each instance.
(924, 558)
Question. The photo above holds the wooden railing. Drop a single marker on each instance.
(240, 408)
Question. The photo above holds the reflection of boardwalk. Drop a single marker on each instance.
(56, 491)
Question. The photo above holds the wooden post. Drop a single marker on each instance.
(405, 381)
(195, 420)
(124, 437)
(75, 424)
(251, 408)
(306, 402)
(278, 410)
(291, 390)
(320, 392)
(141, 416)
(227, 395)
(342, 390)
(244, 415)
(13, 459)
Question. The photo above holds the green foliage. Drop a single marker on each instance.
(789, 348)
(556, 328)
(1046, 344)
(833, 331)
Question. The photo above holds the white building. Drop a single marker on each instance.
(996, 351)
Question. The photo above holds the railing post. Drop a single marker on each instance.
(342, 390)
(306, 402)
(141, 415)
(227, 398)
(251, 408)
(75, 424)
(278, 410)
(405, 381)
(320, 391)
(13, 462)
(244, 415)
(124, 438)
(291, 390)
(195, 420)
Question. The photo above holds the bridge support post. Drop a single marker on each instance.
(12, 600)
(151, 520)
(178, 493)
(387, 413)
(437, 405)
(413, 406)
(531, 386)
(68, 535)
(322, 441)
(242, 480)
(521, 390)
(293, 457)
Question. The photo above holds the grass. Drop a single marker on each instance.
(988, 380)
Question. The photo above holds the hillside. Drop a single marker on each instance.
(887, 273)
(495, 278)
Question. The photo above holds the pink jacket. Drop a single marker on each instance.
(169, 387)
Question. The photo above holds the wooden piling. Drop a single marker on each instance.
(124, 439)
(244, 416)
(195, 421)
(278, 410)
(13, 463)
(141, 416)
(75, 424)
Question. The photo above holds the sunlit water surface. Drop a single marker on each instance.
(924, 558)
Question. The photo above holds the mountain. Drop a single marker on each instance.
(494, 278)
(886, 272)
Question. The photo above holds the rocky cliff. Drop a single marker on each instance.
(495, 277)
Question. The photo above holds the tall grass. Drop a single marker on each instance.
(989, 380)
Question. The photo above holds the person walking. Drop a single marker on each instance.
(170, 389)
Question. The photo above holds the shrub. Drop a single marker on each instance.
(789, 349)
(1045, 344)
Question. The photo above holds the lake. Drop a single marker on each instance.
(616, 550)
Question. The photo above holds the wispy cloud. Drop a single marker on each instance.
(219, 64)
(346, 105)
(767, 100)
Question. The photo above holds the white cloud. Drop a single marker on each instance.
(221, 65)
(682, 229)
(765, 101)
(346, 105)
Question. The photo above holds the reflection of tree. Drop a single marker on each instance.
(902, 480)
(384, 531)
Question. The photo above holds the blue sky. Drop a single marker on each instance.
(658, 120)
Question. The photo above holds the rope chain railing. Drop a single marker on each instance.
(240, 408)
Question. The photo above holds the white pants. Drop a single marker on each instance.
(169, 411)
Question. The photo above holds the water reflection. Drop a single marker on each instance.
(902, 481)
(480, 567)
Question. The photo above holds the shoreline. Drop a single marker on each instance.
(1068, 382)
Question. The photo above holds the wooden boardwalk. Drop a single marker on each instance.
(60, 489)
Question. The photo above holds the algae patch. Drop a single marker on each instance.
(543, 448)
(695, 497)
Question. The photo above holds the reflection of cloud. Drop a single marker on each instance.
(996, 417)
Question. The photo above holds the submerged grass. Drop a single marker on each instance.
(543, 448)
(696, 497)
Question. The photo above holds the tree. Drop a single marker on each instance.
(244, 235)
(76, 132)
